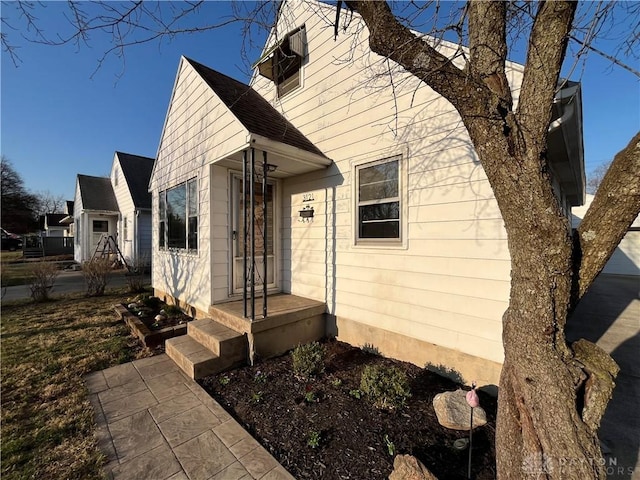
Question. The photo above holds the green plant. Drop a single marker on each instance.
(387, 387)
(391, 448)
(256, 397)
(314, 438)
(260, 377)
(150, 301)
(371, 349)
(224, 380)
(42, 277)
(336, 382)
(356, 393)
(308, 360)
(172, 310)
(310, 397)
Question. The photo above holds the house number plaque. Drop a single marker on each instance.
(307, 197)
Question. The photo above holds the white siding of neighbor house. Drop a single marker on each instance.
(626, 257)
(143, 234)
(126, 207)
(79, 223)
(198, 131)
(448, 283)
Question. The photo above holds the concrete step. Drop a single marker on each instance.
(195, 359)
(221, 340)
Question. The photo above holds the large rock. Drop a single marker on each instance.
(454, 412)
(406, 467)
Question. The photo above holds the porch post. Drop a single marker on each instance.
(253, 235)
(265, 239)
(244, 233)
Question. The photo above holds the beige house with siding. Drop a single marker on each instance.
(377, 208)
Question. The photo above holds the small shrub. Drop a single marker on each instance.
(135, 277)
(150, 301)
(224, 380)
(387, 387)
(314, 438)
(260, 377)
(96, 274)
(172, 310)
(43, 276)
(336, 382)
(308, 360)
(310, 397)
(356, 393)
(256, 397)
(371, 349)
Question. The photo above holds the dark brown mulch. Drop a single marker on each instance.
(147, 314)
(269, 402)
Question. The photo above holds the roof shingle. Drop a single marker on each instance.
(97, 193)
(252, 110)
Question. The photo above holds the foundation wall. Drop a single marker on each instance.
(454, 364)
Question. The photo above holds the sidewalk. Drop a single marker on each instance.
(155, 423)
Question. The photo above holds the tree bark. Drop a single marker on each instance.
(551, 398)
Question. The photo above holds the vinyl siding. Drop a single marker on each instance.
(448, 281)
(197, 132)
(127, 210)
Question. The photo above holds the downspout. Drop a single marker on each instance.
(566, 116)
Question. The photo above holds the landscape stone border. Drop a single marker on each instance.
(149, 338)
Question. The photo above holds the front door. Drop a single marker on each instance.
(99, 229)
(237, 234)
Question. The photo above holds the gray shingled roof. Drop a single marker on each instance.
(97, 193)
(254, 112)
(137, 173)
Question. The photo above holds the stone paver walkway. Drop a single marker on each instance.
(155, 423)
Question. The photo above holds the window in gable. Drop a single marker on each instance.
(379, 201)
(283, 63)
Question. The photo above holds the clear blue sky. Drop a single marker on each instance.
(57, 121)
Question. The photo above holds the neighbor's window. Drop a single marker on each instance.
(282, 64)
(178, 210)
(378, 200)
(125, 229)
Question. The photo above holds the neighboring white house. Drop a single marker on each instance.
(118, 206)
(130, 176)
(377, 207)
(626, 257)
(52, 226)
(95, 215)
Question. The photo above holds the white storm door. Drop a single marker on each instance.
(237, 234)
(99, 229)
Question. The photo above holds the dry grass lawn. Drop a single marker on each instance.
(47, 420)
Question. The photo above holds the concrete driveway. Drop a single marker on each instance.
(67, 282)
(609, 315)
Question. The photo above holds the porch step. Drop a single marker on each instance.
(207, 348)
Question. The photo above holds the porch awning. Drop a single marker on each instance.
(266, 130)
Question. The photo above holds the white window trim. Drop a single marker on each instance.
(381, 243)
(179, 250)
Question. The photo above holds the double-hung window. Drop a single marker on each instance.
(379, 201)
(178, 216)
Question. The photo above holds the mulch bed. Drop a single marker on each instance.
(356, 440)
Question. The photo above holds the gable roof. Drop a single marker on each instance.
(252, 110)
(137, 173)
(54, 219)
(97, 193)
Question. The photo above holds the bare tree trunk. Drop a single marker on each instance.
(552, 396)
